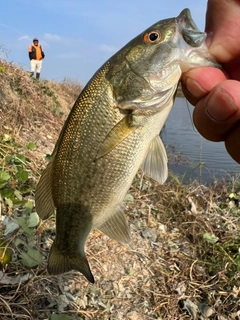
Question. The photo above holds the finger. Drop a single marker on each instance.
(198, 82)
(233, 69)
(223, 28)
(216, 114)
(232, 143)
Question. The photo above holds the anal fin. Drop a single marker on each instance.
(155, 163)
(116, 227)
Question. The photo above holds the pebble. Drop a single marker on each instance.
(150, 234)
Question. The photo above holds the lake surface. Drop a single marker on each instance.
(192, 156)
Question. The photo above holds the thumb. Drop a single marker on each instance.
(223, 28)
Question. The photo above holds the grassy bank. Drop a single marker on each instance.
(183, 261)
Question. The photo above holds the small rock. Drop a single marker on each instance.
(191, 308)
(193, 207)
(133, 315)
(206, 310)
(181, 289)
(62, 302)
(231, 204)
(150, 234)
(236, 291)
(66, 288)
(162, 228)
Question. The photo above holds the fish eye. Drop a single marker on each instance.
(152, 36)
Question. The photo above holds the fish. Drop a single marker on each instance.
(112, 130)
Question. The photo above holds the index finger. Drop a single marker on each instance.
(198, 82)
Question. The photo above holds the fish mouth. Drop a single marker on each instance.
(190, 32)
(185, 20)
(196, 53)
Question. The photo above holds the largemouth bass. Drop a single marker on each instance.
(113, 130)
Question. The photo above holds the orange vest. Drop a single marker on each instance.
(36, 52)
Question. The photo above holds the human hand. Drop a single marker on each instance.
(216, 93)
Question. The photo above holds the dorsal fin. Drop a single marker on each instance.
(43, 196)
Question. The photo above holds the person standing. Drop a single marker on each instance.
(36, 55)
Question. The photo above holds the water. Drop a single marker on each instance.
(192, 156)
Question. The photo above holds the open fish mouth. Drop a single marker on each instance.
(190, 32)
(185, 20)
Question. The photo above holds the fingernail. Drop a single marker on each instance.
(194, 88)
(220, 105)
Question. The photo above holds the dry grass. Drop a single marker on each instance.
(151, 278)
(32, 110)
(168, 270)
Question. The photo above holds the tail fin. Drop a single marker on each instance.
(59, 262)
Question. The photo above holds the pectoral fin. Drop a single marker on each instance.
(116, 227)
(155, 163)
(43, 195)
(119, 132)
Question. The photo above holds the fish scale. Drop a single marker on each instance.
(113, 130)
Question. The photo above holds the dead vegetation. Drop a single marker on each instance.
(183, 261)
(32, 110)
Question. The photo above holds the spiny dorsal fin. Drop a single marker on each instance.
(116, 227)
(118, 133)
(155, 163)
(43, 195)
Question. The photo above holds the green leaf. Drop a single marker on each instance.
(2, 69)
(7, 193)
(211, 238)
(33, 220)
(237, 261)
(11, 226)
(29, 207)
(18, 195)
(8, 202)
(32, 258)
(6, 138)
(4, 176)
(21, 175)
(18, 241)
(20, 159)
(2, 184)
(31, 145)
(234, 196)
(9, 159)
(48, 157)
(129, 198)
(22, 222)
